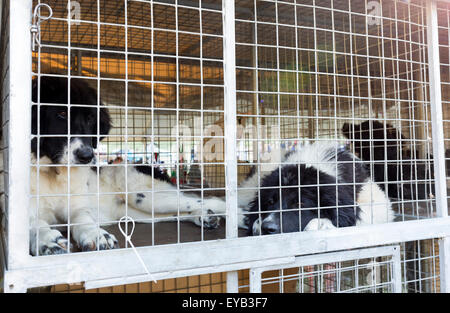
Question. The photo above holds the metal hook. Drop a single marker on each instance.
(36, 23)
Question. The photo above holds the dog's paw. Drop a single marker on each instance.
(243, 221)
(97, 237)
(319, 224)
(209, 221)
(52, 242)
(256, 227)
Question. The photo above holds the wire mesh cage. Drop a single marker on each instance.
(320, 72)
(203, 120)
(408, 267)
(369, 273)
(158, 69)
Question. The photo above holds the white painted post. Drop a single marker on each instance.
(19, 129)
(255, 281)
(438, 136)
(230, 129)
(444, 264)
(17, 115)
(397, 270)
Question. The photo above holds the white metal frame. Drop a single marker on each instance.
(392, 251)
(438, 136)
(24, 271)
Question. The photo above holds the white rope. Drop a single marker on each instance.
(125, 219)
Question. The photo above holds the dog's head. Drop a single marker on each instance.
(67, 134)
(304, 192)
(370, 135)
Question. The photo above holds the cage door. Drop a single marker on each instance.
(362, 270)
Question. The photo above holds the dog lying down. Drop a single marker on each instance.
(322, 186)
(52, 151)
(149, 195)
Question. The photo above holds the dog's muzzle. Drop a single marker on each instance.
(268, 226)
(84, 155)
(80, 151)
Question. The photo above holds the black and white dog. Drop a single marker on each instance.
(63, 159)
(319, 186)
(63, 156)
(383, 148)
(54, 146)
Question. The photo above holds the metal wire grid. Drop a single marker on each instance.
(353, 277)
(443, 12)
(365, 270)
(420, 266)
(347, 72)
(311, 95)
(322, 124)
(157, 66)
(139, 88)
(418, 260)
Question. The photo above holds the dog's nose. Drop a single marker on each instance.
(270, 227)
(84, 155)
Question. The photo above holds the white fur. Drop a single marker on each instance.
(256, 227)
(85, 206)
(316, 155)
(319, 224)
(69, 152)
(151, 199)
(51, 184)
(376, 208)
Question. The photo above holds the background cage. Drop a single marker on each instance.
(266, 73)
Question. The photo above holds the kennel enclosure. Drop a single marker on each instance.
(204, 90)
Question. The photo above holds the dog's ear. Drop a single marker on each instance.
(289, 175)
(105, 126)
(34, 90)
(105, 122)
(34, 121)
(35, 113)
(34, 124)
(251, 218)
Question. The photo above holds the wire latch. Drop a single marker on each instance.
(36, 24)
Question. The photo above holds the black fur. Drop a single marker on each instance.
(380, 154)
(157, 172)
(371, 134)
(284, 156)
(320, 194)
(53, 119)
